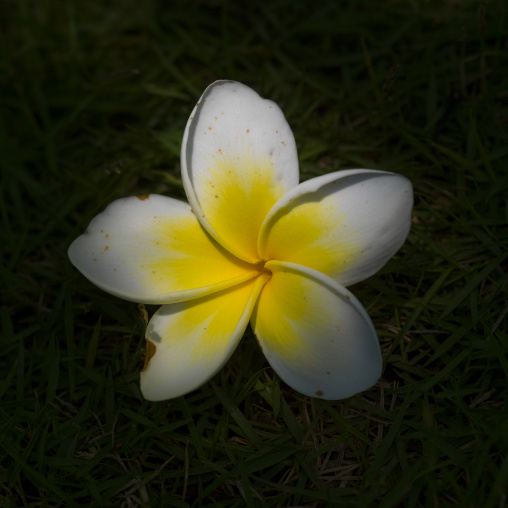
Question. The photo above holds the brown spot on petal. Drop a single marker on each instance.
(319, 393)
(142, 197)
(150, 351)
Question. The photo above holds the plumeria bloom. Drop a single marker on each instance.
(252, 245)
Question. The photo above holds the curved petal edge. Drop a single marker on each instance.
(315, 334)
(151, 249)
(189, 342)
(346, 224)
(238, 157)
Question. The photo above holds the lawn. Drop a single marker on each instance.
(94, 99)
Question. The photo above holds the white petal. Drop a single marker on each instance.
(346, 224)
(315, 334)
(152, 249)
(189, 342)
(238, 157)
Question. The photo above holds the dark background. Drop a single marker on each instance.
(94, 99)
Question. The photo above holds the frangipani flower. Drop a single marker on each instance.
(252, 245)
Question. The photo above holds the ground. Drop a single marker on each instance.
(95, 97)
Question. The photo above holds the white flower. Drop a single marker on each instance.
(253, 245)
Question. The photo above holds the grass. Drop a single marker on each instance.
(94, 101)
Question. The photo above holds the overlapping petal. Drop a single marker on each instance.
(238, 158)
(152, 249)
(189, 342)
(315, 334)
(346, 225)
